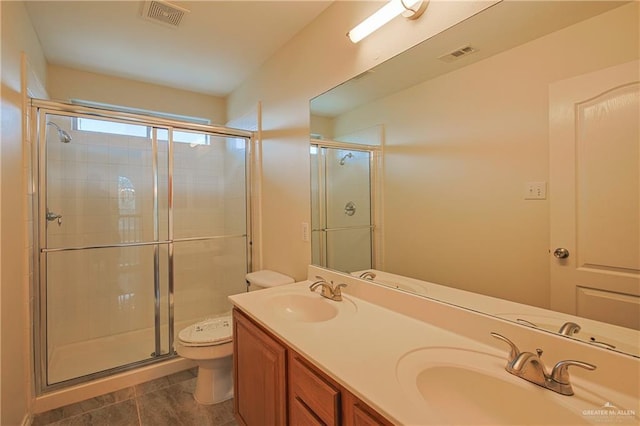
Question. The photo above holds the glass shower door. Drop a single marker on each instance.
(341, 208)
(209, 224)
(103, 244)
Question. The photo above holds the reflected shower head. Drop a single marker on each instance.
(348, 155)
(64, 136)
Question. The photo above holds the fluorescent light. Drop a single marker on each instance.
(385, 14)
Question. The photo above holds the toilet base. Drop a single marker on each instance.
(215, 371)
(215, 381)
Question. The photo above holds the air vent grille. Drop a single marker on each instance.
(163, 12)
(457, 54)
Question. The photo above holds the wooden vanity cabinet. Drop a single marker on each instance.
(274, 385)
(259, 374)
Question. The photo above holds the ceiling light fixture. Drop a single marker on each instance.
(411, 9)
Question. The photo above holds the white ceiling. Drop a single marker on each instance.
(217, 45)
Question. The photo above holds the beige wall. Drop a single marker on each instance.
(68, 83)
(459, 150)
(17, 37)
(318, 58)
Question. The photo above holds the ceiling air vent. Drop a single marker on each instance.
(457, 54)
(163, 12)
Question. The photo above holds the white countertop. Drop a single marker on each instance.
(361, 346)
(359, 349)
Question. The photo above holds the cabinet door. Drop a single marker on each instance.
(259, 374)
(357, 413)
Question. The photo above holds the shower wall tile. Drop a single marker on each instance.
(73, 152)
(96, 153)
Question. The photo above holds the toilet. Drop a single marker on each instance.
(210, 344)
(265, 279)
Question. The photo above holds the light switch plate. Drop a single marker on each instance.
(535, 191)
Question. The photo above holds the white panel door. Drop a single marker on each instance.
(595, 195)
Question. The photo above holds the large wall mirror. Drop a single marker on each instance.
(509, 164)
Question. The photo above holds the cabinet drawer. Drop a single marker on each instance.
(320, 396)
(301, 415)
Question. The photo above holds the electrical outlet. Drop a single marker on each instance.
(535, 191)
(305, 231)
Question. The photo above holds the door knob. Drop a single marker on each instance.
(561, 253)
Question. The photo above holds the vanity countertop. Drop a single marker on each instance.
(361, 346)
(357, 349)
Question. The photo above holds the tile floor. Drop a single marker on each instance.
(165, 401)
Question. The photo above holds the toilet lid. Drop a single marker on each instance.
(207, 332)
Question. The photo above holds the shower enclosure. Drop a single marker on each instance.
(342, 205)
(141, 226)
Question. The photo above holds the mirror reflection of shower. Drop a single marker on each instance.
(341, 179)
(342, 160)
(62, 135)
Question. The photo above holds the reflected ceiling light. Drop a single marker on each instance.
(411, 9)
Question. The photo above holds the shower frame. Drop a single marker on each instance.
(37, 192)
(375, 197)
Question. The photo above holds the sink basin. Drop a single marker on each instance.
(304, 307)
(463, 386)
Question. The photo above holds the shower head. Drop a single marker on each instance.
(64, 136)
(348, 155)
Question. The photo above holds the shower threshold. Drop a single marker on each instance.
(80, 359)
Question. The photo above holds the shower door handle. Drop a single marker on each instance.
(51, 216)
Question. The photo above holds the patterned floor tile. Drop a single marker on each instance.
(162, 402)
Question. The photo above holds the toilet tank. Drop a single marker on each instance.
(265, 279)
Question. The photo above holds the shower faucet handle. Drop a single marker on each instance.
(54, 216)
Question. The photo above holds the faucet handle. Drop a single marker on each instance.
(319, 280)
(569, 328)
(515, 352)
(560, 372)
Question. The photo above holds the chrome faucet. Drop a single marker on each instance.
(569, 328)
(368, 275)
(328, 289)
(529, 366)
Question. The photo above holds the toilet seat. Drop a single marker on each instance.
(213, 331)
